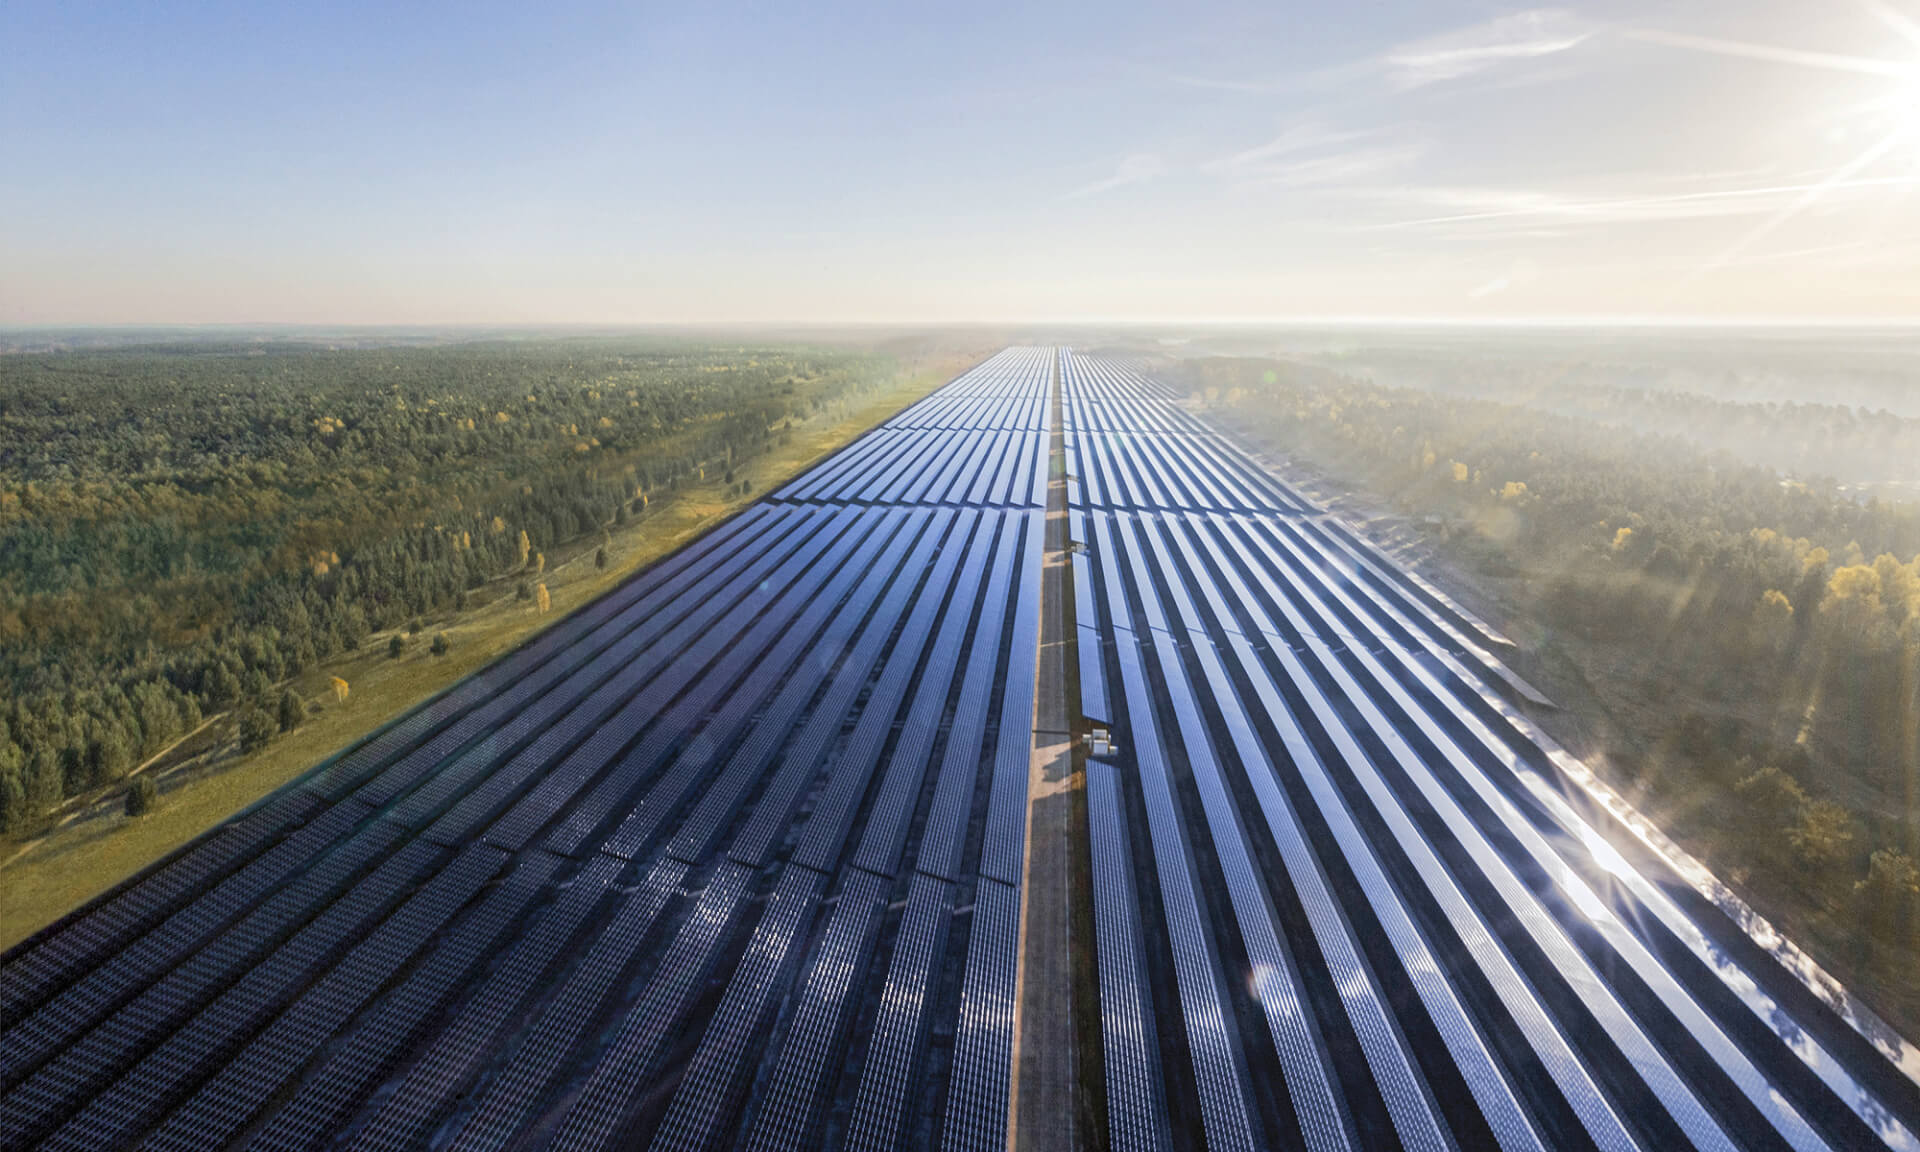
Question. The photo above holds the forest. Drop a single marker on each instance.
(1853, 445)
(185, 526)
(1741, 641)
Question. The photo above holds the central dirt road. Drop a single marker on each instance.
(1043, 1110)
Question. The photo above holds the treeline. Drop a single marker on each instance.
(1854, 445)
(1745, 415)
(1773, 623)
(182, 530)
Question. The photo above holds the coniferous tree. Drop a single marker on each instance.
(292, 711)
(256, 728)
(143, 796)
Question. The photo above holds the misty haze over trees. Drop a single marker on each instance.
(1734, 629)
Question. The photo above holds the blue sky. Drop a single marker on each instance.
(485, 163)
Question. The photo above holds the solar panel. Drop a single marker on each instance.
(710, 1083)
(1004, 849)
(53, 961)
(622, 1069)
(1226, 1112)
(1316, 1107)
(901, 785)
(575, 1006)
(731, 691)
(1136, 1096)
(111, 1118)
(82, 1066)
(946, 825)
(848, 775)
(982, 1075)
(454, 1051)
(896, 1042)
(328, 1097)
(815, 1033)
(222, 1105)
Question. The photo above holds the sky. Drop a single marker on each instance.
(662, 163)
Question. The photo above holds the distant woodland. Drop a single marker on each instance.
(1749, 632)
(183, 528)
(1798, 436)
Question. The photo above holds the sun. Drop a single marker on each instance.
(1892, 118)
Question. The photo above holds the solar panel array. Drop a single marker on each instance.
(1347, 896)
(730, 858)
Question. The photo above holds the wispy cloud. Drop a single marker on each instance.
(1492, 204)
(1305, 155)
(1138, 168)
(1769, 53)
(1848, 176)
(1866, 248)
(1335, 169)
(1292, 141)
(1456, 55)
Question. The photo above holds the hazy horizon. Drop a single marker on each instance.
(1615, 162)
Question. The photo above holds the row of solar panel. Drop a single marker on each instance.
(1014, 371)
(1361, 598)
(982, 439)
(1104, 395)
(252, 968)
(1438, 947)
(1120, 470)
(932, 466)
(1128, 449)
(1024, 410)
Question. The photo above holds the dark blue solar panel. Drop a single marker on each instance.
(111, 1118)
(896, 1042)
(900, 787)
(982, 1077)
(815, 1035)
(574, 1007)
(329, 1096)
(1129, 1042)
(221, 1106)
(1002, 854)
(710, 1084)
(454, 1052)
(623, 1069)
(721, 700)
(946, 825)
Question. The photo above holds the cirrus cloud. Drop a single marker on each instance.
(1455, 55)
